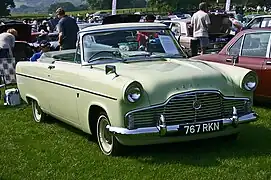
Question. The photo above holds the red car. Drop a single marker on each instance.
(249, 49)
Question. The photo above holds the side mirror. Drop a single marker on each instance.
(235, 59)
(110, 69)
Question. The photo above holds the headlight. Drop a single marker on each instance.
(133, 92)
(250, 82)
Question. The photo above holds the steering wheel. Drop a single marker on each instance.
(110, 54)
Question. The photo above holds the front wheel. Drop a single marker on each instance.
(38, 115)
(107, 142)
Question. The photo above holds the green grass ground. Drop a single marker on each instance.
(57, 151)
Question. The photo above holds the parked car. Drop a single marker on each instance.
(180, 16)
(248, 18)
(249, 49)
(263, 21)
(84, 25)
(127, 95)
(219, 33)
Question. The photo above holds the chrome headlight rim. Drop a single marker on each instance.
(250, 81)
(133, 92)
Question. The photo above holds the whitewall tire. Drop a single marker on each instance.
(108, 144)
(38, 114)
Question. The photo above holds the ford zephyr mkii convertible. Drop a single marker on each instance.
(131, 84)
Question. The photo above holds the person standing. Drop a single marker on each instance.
(7, 43)
(200, 22)
(68, 29)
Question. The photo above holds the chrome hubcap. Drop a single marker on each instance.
(105, 138)
(37, 112)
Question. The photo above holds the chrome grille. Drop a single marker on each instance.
(180, 109)
(241, 106)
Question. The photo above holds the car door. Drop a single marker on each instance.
(252, 51)
(63, 92)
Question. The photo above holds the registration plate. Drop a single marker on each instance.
(199, 128)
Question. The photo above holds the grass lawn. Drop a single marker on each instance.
(56, 151)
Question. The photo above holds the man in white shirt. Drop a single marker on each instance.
(7, 43)
(200, 22)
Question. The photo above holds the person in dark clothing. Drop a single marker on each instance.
(68, 29)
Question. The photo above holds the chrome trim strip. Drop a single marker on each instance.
(183, 94)
(175, 128)
(228, 49)
(135, 28)
(242, 44)
(67, 86)
(268, 48)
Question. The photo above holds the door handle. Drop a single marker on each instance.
(51, 67)
(229, 60)
(268, 62)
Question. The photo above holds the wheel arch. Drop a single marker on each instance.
(29, 98)
(93, 114)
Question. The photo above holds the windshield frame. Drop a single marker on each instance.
(85, 32)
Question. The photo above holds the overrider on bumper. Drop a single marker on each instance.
(163, 130)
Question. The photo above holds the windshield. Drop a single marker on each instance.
(130, 45)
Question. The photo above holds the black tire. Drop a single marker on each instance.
(108, 144)
(38, 115)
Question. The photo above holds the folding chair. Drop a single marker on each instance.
(7, 72)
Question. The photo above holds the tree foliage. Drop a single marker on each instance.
(121, 4)
(67, 6)
(175, 5)
(5, 6)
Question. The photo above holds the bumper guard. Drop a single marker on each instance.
(162, 129)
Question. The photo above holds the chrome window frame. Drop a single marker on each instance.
(137, 28)
(228, 49)
(250, 22)
(268, 51)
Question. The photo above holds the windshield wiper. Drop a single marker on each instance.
(104, 58)
(112, 55)
(139, 55)
(151, 56)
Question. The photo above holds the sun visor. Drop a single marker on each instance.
(121, 18)
(24, 30)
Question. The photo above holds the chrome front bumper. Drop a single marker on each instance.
(163, 129)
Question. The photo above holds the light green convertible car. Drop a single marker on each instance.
(131, 84)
